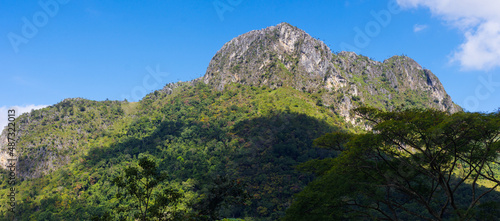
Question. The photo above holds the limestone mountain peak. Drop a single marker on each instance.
(280, 55)
(284, 55)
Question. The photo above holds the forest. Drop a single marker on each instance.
(253, 153)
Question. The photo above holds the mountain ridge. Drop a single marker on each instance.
(283, 55)
(253, 116)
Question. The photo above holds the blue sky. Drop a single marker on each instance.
(56, 49)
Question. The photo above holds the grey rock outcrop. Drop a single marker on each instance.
(284, 55)
(275, 56)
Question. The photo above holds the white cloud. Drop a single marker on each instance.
(478, 20)
(417, 27)
(19, 110)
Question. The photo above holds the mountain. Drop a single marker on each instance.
(265, 97)
(284, 55)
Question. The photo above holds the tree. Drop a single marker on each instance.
(223, 192)
(413, 164)
(142, 185)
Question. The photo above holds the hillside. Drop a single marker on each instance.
(265, 97)
(284, 55)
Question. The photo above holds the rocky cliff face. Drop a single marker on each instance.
(281, 55)
(284, 55)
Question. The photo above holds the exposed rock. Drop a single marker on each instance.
(275, 56)
(284, 55)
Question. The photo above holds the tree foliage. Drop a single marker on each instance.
(223, 193)
(143, 186)
(413, 164)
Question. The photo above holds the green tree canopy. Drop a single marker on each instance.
(222, 193)
(413, 164)
(143, 186)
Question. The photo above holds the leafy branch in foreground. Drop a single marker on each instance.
(143, 185)
(414, 164)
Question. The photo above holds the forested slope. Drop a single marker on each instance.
(254, 135)
(250, 124)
